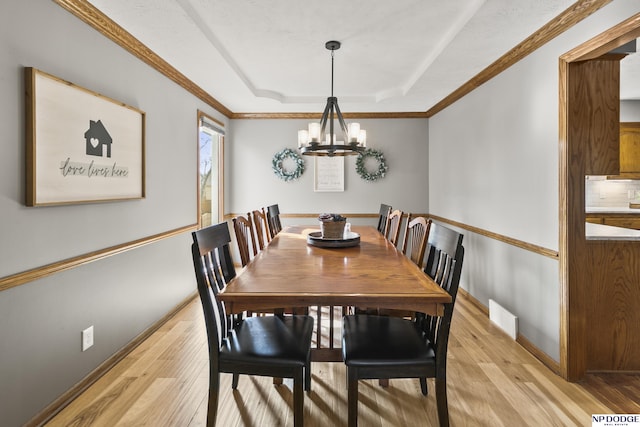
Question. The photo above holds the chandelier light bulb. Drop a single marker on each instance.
(362, 137)
(354, 132)
(303, 138)
(314, 132)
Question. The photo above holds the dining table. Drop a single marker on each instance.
(292, 271)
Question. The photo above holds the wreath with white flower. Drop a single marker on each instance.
(364, 171)
(281, 169)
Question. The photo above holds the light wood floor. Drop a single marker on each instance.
(492, 381)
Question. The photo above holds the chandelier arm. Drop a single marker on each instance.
(343, 125)
(331, 121)
(323, 120)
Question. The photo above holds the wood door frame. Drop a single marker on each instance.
(573, 297)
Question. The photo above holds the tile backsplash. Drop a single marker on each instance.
(611, 192)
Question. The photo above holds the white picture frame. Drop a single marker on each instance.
(328, 174)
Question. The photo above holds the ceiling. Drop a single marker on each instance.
(269, 56)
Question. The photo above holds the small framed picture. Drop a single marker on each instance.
(328, 174)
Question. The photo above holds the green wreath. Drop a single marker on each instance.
(280, 171)
(362, 170)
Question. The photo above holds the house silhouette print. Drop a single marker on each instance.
(97, 139)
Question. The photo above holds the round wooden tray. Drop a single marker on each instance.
(315, 238)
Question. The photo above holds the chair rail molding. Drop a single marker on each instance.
(69, 263)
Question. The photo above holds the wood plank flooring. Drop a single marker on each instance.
(492, 381)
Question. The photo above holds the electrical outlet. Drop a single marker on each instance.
(87, 338)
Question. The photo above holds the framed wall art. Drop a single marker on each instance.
(329, 174)
(81, 146)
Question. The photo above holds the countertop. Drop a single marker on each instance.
(608, 209)
(608, 232)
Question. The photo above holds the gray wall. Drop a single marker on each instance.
(41, 322)
(630, 110)
(497, 151)
(251, 182)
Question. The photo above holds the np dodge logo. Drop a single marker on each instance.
(615, 420)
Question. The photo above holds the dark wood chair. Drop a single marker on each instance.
(413, 246)
(271, 346)
(385, 210)
(391, 232)
(392, 229)
(273, 218)
(383, 347)
(261, 227)
(416, 234)
(245, 239)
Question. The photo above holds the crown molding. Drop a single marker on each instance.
(89, 14)
(561, 23)
(86, 12)
(397, 115)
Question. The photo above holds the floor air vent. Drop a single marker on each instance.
(503, 319)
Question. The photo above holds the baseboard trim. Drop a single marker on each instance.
(484, 309)
(539, 354)
(65, 399)
(521, 339)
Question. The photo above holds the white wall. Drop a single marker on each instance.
(41, 321)
(497, 151)
(252, 184)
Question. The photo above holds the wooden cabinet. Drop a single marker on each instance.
(630, 147)
(595, 219)
(616, 220)
(625, 222)
(596, 83)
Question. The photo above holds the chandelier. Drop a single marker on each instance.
(311, 141)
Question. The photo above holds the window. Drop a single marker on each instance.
(210, 159)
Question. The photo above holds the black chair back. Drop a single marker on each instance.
(273, 217)
(214, 269)
(444, 255)
(444, 246)
(385, 210)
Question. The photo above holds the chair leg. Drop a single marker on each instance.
(212, 406)
(383, 382)
(424, 387)
(298, 399)
(441, 399)
(352, 396)
(307, 375)
(318, 326)
(234, 381)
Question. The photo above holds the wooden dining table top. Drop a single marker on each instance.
(289, 272)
